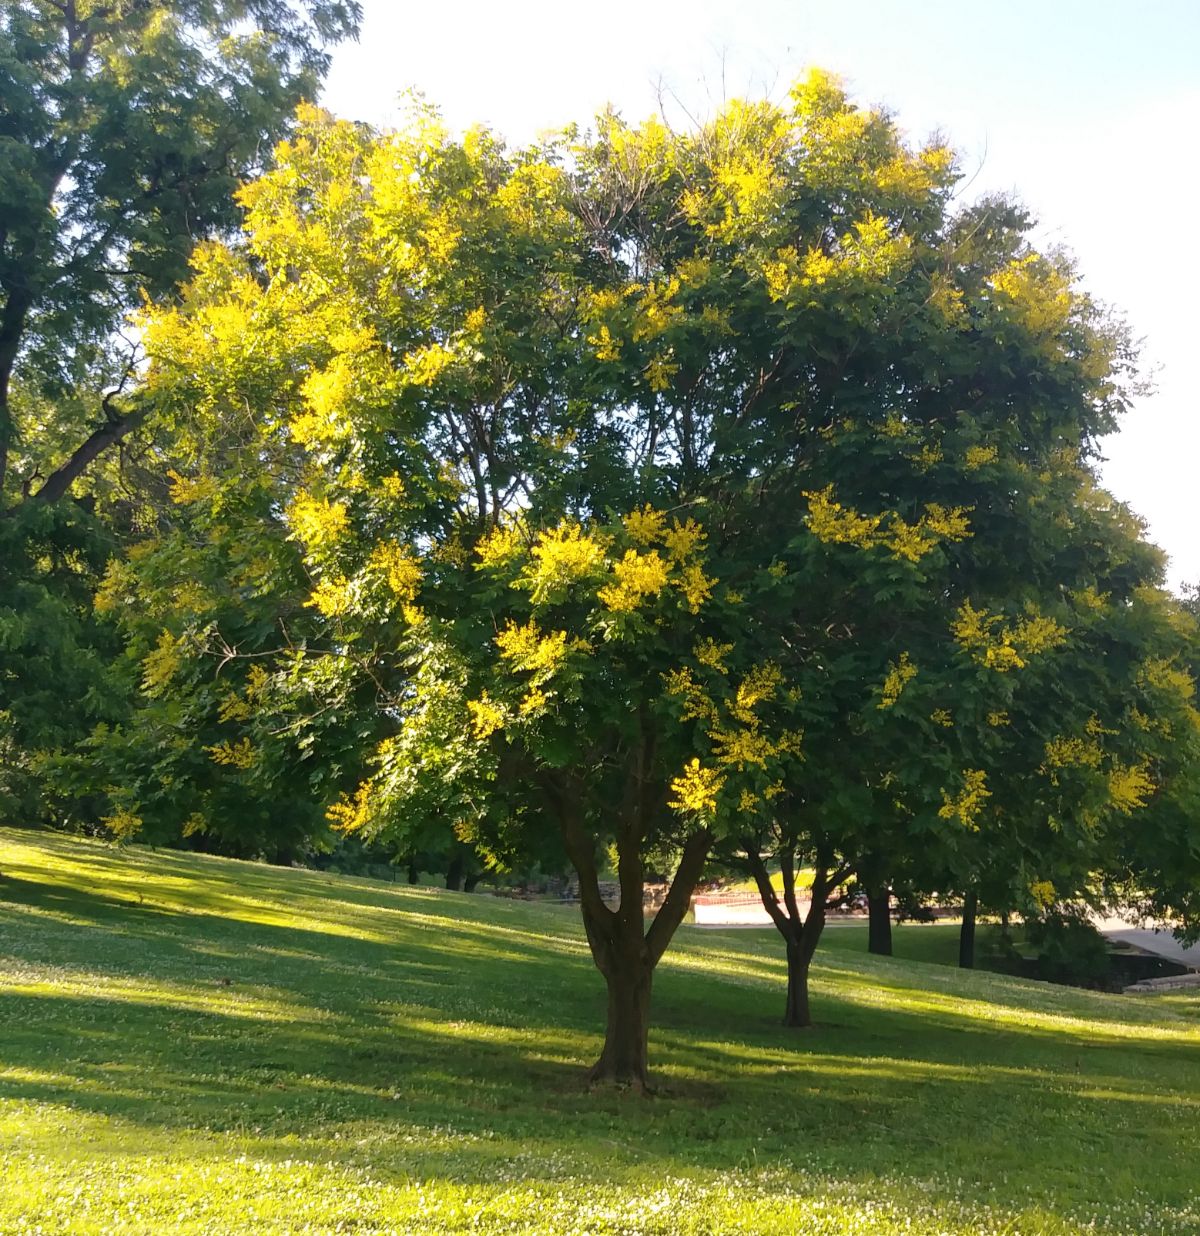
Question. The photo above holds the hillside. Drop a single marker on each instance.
(198, 1045)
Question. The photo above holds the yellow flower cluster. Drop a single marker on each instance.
(709, 652)
(637, 576)
(1071, 752)
(191, 489)
(696, 789)
(398, 567)
(317, 522)
(530, 649)
(645, 526)
(979, 457)
(1129, 786)
(682, 540)
(1003, 648)
(940, 716)
(123, 823)
(1043, 893)
(833, 524)
(759, 686)
(560, 557)
(697, 703)
(900, 674)
(486, 716)
(968, 803)
(238, 754)
(333, 596)
(499, 547)
(351, 815)
(161, 665)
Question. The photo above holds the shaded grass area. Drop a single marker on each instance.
(197, 1045)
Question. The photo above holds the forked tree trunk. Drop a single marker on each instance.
(624, 1059)
(801, 934)
(966, 934)
(879, 920)
(624, 949)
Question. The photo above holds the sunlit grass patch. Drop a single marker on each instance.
(197, 1045)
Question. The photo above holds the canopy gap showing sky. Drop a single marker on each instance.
(1088, 111)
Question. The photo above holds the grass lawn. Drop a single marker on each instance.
(197, 1045)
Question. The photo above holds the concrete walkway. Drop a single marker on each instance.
(1161, 943)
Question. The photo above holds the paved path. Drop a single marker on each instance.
(1162, 943)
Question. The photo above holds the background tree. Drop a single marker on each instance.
(124, 129)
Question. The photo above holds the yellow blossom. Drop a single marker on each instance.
(317, 522)
(645, 526)
(486, 716)
(738, 748)
(191, 489)
(499, 547)
(1043, 893)
(637, 576)
(607, 348)
(238, 754)
(696, 789)
(659, 373)
(1129, 786)
(351, 815)
(968, 803)
(683, 540)
(709, 652)
(398, 566)
(560, 557)
(900, 674)
(940, 716)
(333, 596)
(531, 649)
(979, 456)
(122, 823)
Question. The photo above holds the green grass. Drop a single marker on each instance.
(385, 1059)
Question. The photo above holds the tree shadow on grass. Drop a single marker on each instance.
(483, 1027)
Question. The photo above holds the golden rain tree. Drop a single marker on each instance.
(625, 459)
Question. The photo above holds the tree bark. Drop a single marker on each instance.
(879, 919)
(454, 873)
(966, 934)
(801, 934)
(624, 1060)
(796, 1012)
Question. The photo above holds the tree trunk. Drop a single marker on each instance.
(414, 876)
(454, 873)
(966, 935)
(879, 920)
(624, 1058)
(796, 1012)
(471, 881)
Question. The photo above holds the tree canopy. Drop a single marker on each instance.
(657, 491)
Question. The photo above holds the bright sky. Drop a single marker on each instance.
(1090, 109)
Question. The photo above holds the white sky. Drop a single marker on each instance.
(1089, 109)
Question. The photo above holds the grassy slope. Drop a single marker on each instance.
(386, 1059)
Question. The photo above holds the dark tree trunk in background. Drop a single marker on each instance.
(454, 873)
(879, 919)
(801, 934)
(471, 881)
(414, 875)
(966, 935)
